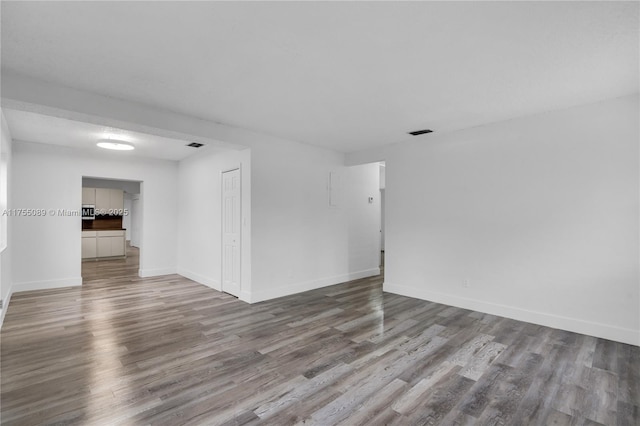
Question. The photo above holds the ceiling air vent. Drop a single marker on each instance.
(420, 132)
(195, 144)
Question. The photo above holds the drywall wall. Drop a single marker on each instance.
(126, 219)
(383, 182)
(136, 220)
(300, 242)
(130, 187)
(291, 239)
(5, 159)
(46, 249)
(5, 194)
(539, 215)
(200, 217)
(382, 217)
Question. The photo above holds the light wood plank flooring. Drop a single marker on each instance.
(105, 269)
(168, 351)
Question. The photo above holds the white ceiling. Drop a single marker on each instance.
(32, 127)
(344, 75)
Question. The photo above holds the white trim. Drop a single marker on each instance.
(145, 273)
(610, 332)
(5, 305)
(200, 279)
(46, 285)
(310, 285)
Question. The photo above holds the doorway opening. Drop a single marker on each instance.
(362, 206)
(111, 228)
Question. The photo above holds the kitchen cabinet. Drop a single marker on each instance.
(103, 247)
(109, 200)
(116, 197)
(88, 195)
(89, 247)
(103, 200)
(117, 246)
(108, 243)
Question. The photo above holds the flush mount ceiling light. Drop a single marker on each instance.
(115, 144)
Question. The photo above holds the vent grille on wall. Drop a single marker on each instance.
(420, 132)
(195, 145)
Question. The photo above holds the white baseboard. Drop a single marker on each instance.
(46, 285)
(5, 305)
(145, 273)
(274, 293)
(618, 334)
(200, 279)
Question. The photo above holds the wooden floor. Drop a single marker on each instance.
(125, 350)
(95, 270)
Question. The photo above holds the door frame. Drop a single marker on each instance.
(141, 199)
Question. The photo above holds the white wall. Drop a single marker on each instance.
(292, 240)
(5, 159)
(136, 221)
(383, 202)
(6, 193)
(200, 217)
(383, 183)
(539, 214)
(127, 186)
(46, 250)
(299, 242)
(126, 219)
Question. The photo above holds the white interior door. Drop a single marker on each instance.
(231, 232)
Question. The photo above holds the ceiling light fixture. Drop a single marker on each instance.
(115, 144)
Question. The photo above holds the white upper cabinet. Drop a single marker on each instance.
(103, 200)
(117, 199)
(88, 195)
(107, 200)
